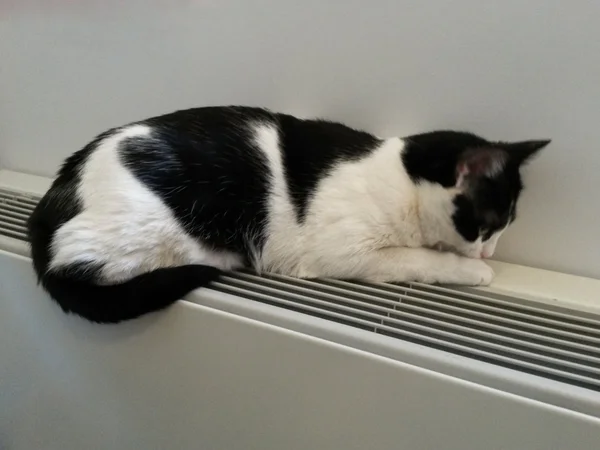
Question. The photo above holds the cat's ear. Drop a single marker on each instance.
(523, 152)
(480, 162)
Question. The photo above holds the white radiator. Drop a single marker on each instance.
(278, 363)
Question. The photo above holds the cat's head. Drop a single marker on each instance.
(468, 187)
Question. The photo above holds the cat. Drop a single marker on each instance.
(150, 211)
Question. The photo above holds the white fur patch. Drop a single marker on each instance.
(282, 229)
(123, 224)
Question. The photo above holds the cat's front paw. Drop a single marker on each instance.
(477, 273)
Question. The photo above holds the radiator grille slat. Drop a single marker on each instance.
(29, 199)
(15, 208)
(12, 234)
(19, 222)
(8, 211)
(555, 343)
(11, 226)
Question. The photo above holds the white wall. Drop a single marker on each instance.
(507, 70)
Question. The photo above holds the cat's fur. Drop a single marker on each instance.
(147, 212)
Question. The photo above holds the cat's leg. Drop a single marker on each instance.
(399, 264)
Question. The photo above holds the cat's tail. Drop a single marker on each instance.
(75, 290)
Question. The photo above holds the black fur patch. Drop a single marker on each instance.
(434, 156)
(311, 148)
(205, 167)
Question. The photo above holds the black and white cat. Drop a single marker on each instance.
(147, 212)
